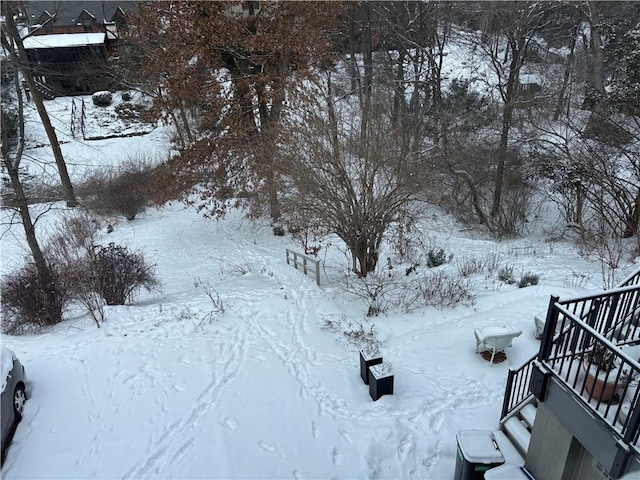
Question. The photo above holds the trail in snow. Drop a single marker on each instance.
(178, 437)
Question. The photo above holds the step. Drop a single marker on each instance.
(528, 414)
(508, 450)
(518, 433)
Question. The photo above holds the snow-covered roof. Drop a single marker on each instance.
(63, 40)
(530, 78)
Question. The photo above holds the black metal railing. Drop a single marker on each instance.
(613, 313)
(517, 390)
(602, 386)
(633, 279)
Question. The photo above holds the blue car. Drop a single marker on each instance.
(14, 395)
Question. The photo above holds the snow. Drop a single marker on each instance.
(62, 40)
(478, 446)
(170, 388)
(6, 365)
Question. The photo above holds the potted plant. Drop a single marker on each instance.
(603, 377)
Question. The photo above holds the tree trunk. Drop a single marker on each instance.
(633, 219)
(568, 70)
(44, 273)
(22, 64)
(598, 118)
(366, 257)
(185, 123)
(507, 115)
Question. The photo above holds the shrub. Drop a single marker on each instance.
(440, 290)
(126, 96)
(28, 304)
(379, 291)
(125, 192)
(278, 230)
(527, 279)
(102, 98)
(72, 248)
(118, 274)
(438, 257)
(129, 111)
(505, 274)
(468, 266)
(353, 333)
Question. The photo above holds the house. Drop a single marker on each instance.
(557, 413)
(68, 44)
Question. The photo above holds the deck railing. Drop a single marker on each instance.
(568, 358)
(610, 317)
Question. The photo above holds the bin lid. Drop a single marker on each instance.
(478, 446)
(508, 471)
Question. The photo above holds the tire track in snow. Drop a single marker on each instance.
(175, 441)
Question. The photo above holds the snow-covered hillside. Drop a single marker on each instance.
(165, 389)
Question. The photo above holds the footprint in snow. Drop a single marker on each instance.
(406, 445)
(346, 436)
(179, 387)
(336, 457)
(231, 423)
(266, 446)
(315, 431)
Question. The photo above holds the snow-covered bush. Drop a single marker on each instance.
(102, 98)
(352, 332)
(528, 279)
(379, 291)
(471, 265)
(505, 274)
(437, 257)
(440, 289)
(118, 274)
(28, 304)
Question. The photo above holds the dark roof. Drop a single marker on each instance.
(67, 11)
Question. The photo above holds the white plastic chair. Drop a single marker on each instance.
(495, 338)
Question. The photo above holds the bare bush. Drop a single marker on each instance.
(440, 289)
(380, 291)
(125, 191)
(118, 274)
(608, 251)
(469, 265)
(235, 269)
(405, 241)
(28, 304)
(214, 297)
(353, 332)
(492, 262)
(73, 248)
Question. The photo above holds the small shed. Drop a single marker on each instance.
(69, 63)
(529, 84)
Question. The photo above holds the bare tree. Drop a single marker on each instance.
(12, 43)
(341, 182)
(11, 161)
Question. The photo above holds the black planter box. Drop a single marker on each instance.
(380, 382)
(367, 360)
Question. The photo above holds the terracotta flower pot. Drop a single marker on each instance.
(598, 388)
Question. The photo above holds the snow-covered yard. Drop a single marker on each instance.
(262, 390)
